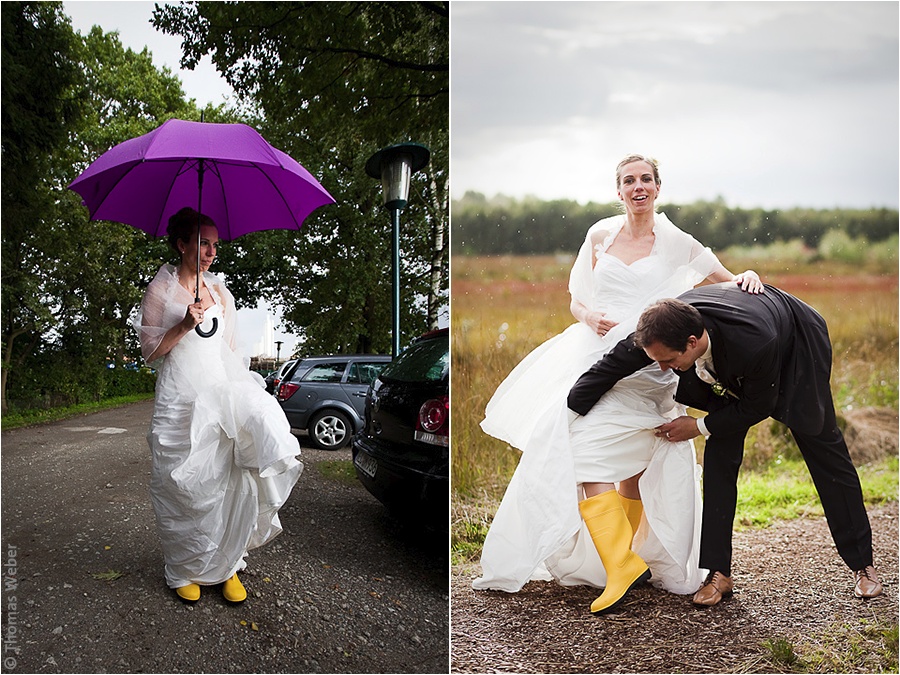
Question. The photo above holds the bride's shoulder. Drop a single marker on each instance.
(216, 284)
(598, 236)
(164, 277)
(602, 230)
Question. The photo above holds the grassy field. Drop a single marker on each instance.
(503, 307)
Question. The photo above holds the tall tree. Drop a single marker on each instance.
(334, 82)
(69, 285)
(109, 263)
(39, 71)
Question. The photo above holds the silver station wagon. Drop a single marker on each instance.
(326, 396)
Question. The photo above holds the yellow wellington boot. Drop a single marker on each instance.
(233, 590)
(606, 521)
(634, 509)
(191, 592)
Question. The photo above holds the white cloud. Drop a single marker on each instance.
(132, 21)
(731, 97)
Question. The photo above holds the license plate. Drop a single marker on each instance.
(368, 465)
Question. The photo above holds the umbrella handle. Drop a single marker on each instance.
(211, 332)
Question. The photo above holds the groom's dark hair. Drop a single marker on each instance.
(668, 322)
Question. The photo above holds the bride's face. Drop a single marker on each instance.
(209, 245)
(637, 187)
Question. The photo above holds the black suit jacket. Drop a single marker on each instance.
(771, 350)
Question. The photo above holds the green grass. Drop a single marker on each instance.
(781, 652)
(866, 646)
(26, 418)
(466, 541)
(783, 490)
(340, 470)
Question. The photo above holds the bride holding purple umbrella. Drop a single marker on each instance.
(224, 459)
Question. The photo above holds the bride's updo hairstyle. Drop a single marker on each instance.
(637, 158)
(183, 226)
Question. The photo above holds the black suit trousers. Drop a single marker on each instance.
(833, 474)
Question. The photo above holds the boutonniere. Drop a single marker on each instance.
(718, 388)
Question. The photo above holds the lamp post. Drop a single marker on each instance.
(394, 165)
(278, 344)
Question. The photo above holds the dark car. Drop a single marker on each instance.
(273, 379)
(402, 455)
(325, 396)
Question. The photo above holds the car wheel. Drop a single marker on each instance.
(330, 430)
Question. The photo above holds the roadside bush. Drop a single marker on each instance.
(63, 379)
(125, 382)
(839, 246)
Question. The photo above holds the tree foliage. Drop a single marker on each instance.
(70, 284)
(349, 80)
(502, 225)
(39, 69)
(332, 82)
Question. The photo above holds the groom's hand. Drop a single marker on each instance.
(680, 429)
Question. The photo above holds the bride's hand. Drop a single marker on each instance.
(749, 281)
(193, 316)
(598, 323)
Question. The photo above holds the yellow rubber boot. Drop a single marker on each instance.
(634, 509)
(191, 592)
(233, 590)
(606, 521)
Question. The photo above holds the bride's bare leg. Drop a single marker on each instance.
(629, 487)
(630, 494)
(594, 489)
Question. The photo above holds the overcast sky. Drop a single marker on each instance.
(771, 104)
(132, 21)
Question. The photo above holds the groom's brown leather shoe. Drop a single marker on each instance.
(716, 587)
(867, 584)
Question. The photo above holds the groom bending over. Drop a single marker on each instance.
(743, 358)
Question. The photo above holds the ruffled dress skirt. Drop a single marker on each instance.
(537, 532)
(224, 461)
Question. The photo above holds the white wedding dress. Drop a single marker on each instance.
(538, 533)
(224, 460)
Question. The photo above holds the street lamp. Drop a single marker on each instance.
(278, 344)
(394, 165)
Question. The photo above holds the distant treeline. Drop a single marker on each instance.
(501, 225)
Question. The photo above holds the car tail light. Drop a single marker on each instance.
(432, 426)
(286, 390)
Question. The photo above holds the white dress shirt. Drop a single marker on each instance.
(705, 370)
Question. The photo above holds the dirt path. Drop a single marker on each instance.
(790, 584)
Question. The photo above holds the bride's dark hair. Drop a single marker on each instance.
(183, 226)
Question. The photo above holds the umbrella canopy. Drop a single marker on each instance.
(229, 171)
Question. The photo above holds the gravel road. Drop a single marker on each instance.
(790, 585)
(345, 588)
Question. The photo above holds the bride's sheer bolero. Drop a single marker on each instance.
(689, 261)
(165, 303)
(679, 262)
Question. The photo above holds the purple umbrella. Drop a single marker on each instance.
(229, 170)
